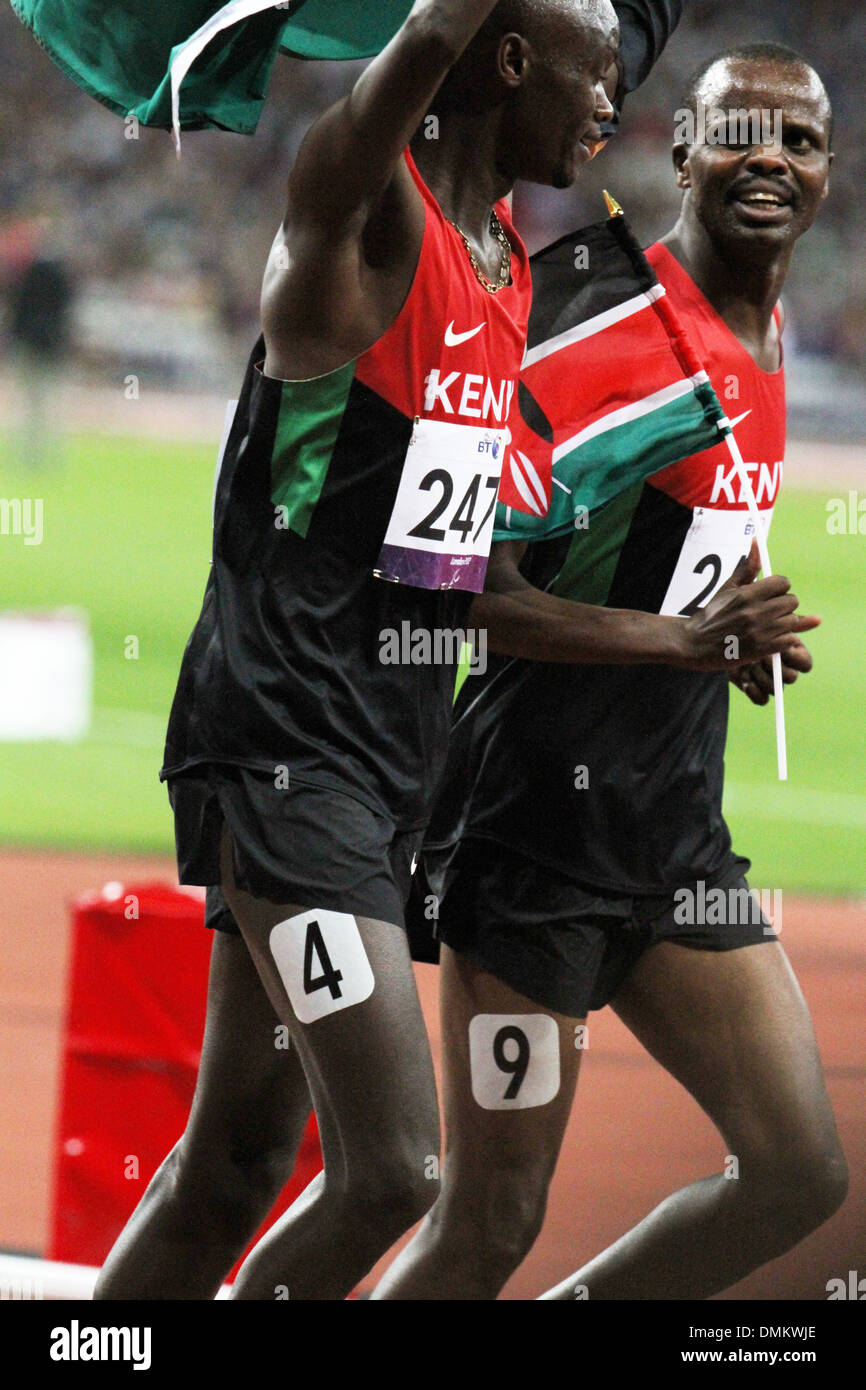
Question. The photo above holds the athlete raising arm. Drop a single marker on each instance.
(300, 764)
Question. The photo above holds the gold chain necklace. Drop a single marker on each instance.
(491, 286)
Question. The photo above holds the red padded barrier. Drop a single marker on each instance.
(134, 1023)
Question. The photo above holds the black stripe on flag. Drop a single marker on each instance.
(570, 286)
(532, 413)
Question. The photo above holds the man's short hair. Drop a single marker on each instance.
(525, 17)
(519, 17)
(509, 16)
(777, 53)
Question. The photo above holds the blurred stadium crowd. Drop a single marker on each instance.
(152, 265)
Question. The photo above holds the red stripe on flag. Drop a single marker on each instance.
(619, 366)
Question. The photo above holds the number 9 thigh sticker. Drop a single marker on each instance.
(514, 1060)
(716, 542)
(442, 524)
(322, 963)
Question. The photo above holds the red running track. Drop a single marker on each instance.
(634, 1135)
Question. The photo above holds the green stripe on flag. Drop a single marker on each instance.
(590, 565)
(616, 459)
(343, 29)
(120, 52)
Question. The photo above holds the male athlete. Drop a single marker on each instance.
(301, 766)
(594, 840)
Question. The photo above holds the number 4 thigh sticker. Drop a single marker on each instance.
(322, 963)
(514, 1060)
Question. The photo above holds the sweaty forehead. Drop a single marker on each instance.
(765, 85)
(604, 20)
(593, 23)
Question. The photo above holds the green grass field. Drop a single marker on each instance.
(127, 537)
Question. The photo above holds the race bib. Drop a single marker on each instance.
(716, 542)
(442, 524)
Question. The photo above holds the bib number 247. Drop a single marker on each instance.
(441, 525)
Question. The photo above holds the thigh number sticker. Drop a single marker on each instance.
(322, 963)
(514, 1060)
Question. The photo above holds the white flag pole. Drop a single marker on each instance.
(760, 535)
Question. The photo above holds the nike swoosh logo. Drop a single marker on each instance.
(740, 418)
(453, 339)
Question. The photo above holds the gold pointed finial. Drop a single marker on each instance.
(613, 207)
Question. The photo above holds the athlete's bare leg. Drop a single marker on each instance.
(211, 1194)
(734, 1029)
(498, 1163)
(371, 1079)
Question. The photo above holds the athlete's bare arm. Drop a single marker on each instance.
(523, 621)
(342, 262)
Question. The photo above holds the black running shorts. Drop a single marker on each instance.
(303, 845)
(569, 947)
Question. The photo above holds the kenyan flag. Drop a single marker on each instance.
(610, 391)
(121, 53)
